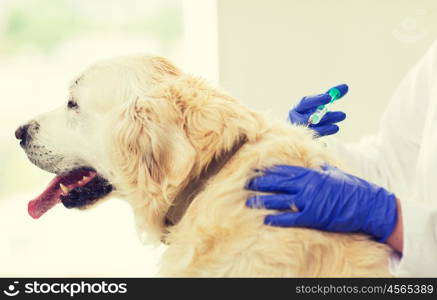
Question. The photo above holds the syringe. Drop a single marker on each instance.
(336, 93)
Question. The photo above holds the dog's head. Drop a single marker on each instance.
(135, 125)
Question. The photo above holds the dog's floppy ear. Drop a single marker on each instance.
(153, 151)
(150, 152)
(153, 160)
(213, 121)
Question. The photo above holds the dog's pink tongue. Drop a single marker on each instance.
(49, 198)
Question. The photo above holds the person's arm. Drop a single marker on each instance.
(332, 200)
(327, 199)
(396, 239)
(301, 113)
(400, 157)
(419, 250)
(389, 157)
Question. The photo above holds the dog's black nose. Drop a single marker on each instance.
(21, 133)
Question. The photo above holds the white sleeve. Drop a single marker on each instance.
(419, 257)
(389, 157)
(400, 157)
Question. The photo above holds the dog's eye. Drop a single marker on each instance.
(72, 104)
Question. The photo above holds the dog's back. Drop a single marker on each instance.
(219, 236)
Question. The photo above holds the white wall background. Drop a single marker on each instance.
(273, 52)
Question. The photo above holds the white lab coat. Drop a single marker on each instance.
(402, 157)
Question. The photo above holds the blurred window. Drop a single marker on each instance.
(43, 45)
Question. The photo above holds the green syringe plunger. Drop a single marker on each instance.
(336, 93)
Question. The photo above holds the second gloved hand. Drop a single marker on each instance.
(301, 113)
(326, 199)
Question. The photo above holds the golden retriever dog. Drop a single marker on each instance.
(181, 153)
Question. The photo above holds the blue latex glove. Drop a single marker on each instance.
(303, 110)
(326, 199)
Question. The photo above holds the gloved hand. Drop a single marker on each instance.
(308, 105)
(326, 199)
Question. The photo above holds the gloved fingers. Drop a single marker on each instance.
(287, 171)
(312, 102)
(288, 219)
(295, 117)
(275, 201)
(332, 117)
(272, 183)
(343, 88)
(329, 168)
(326, 129)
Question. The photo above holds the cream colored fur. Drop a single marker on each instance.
(151, 131)
(167, 133)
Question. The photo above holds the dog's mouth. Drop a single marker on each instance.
(76, 188)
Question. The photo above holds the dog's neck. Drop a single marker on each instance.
(184, 198)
